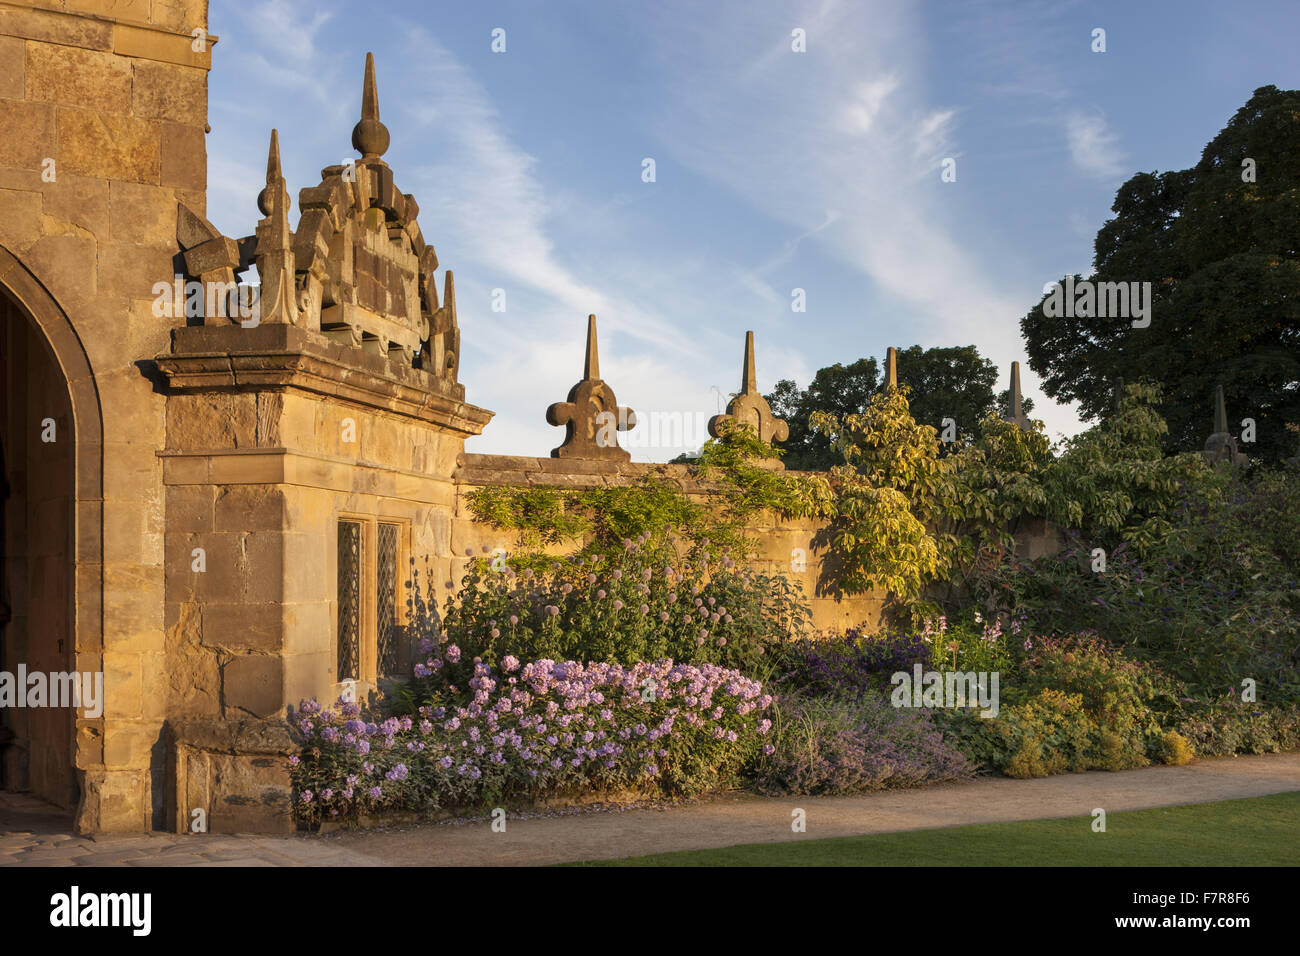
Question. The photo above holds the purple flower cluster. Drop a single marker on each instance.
(854, 661)
(532, 728)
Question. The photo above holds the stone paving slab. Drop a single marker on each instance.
(33, 833)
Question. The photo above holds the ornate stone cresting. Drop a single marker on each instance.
(749, 407)
(357, 268)
(1221, 447)
(591, 415)
(1016, 413)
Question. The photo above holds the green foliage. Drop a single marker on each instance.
(981, 646)
(1215, 602)
(1074, 704)
(655, 506)
(640, 602)
(1121, 694)
(954, 383)
(903, 516)
(884, 495)
(537, 515)
(1230, 726)
(1224, 262)
(836, 390)
(996, 480)
(1114, 483)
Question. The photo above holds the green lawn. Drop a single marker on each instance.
(1260, 831)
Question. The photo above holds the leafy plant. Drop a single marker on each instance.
(852, 743)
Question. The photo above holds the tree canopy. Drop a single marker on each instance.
(1220, 245)
(954, 382)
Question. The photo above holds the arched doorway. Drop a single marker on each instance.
(51, 580)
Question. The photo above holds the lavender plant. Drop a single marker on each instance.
(851, 743)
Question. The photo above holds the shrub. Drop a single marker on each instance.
(1127, 696)
(850, 662)
(528, 730)
(1229, 726)
(1078, 704)
(851, 743)
(643, 601)
(1048, 734)
(1174, 749)
(1214, 601)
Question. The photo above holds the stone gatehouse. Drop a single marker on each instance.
(213, 488)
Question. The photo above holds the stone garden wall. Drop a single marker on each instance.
(790, 547)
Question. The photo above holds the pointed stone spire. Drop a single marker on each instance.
(748, 378)
(1016, 413)
(1220, 412)
(370, 136)
(891, 368)
(1221, 447)
(448, 329)
(277, 300)
(449, 300)
(273, 174)
(750, 407)
(591, 415)
(591, 363)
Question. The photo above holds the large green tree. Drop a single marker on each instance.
(943, 383)
(1220, 245)
(837, 390)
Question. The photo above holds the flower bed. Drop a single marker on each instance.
(532, 730)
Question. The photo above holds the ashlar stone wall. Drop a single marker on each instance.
(103, 108)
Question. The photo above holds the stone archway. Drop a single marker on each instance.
(54, 531)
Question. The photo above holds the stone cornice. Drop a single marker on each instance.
(273, 357)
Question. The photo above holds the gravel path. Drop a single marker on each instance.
(34, 834)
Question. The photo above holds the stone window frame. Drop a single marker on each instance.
(368, 678)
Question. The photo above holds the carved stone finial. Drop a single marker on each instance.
(273, 175)
(1016, 413)
(370, 136)
(891, 368)
(591, 416)
(749, 407)
(1221, 447)
(277, 299)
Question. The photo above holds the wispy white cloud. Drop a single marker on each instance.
(1094, 146)
(487, 192)
(276, 42)
(861, 136)
(860, 111)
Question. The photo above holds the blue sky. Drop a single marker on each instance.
(775, 170)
